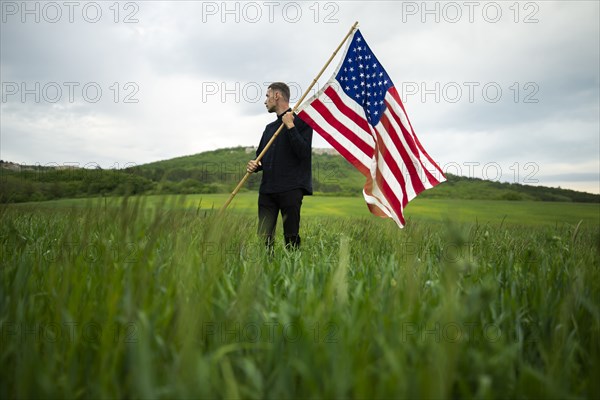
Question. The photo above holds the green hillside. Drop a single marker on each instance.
(220, 170)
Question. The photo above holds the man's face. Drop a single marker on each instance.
(271, 100)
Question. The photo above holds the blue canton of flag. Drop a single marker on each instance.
(363, 79)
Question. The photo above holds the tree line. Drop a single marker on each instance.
(220, 170)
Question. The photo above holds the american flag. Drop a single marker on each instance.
(359, 112)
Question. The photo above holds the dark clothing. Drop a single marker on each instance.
(287, 163)
(286, 178)
(268, 207)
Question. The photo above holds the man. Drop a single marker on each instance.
(286, 168)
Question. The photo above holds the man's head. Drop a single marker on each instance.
(278, 97)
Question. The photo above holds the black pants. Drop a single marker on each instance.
(289, 204)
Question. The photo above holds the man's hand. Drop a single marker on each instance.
(288, 119)
(252, 166)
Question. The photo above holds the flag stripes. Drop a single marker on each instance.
(361, 115)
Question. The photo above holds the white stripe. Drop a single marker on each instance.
(391, 180)
(341, 139)
(419, 161)
(376, 202)
(391, 146)
(424, 162)
(387, 141)
(359, 132)
(366, 137)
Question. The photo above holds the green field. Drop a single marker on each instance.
(160, 297)
(470, 211)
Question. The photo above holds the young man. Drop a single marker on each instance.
(286, 168)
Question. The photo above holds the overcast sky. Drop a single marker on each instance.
(499, 90)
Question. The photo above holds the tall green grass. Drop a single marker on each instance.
(171, 301)
(461, 211)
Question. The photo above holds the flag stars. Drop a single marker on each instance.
(369, 81)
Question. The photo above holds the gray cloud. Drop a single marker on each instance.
(187, 77)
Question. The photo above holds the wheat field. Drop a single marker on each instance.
(164, 298)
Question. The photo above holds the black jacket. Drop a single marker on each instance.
(287, 163)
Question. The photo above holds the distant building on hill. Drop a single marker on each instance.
(325, 151)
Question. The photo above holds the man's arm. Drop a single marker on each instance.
(299, 136)
(253, 165)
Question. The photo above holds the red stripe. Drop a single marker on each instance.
(407, 135)
(389, 195)
(415, 179)
(393, 166)
(336, 145)
(347, 111)
(396, 97)
(322, 109)
(409, 138)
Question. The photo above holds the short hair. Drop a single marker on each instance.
(281, 88)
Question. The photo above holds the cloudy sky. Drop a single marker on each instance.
(500, 90)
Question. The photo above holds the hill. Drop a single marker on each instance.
(220, 170)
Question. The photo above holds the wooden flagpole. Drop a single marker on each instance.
(262, 153)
